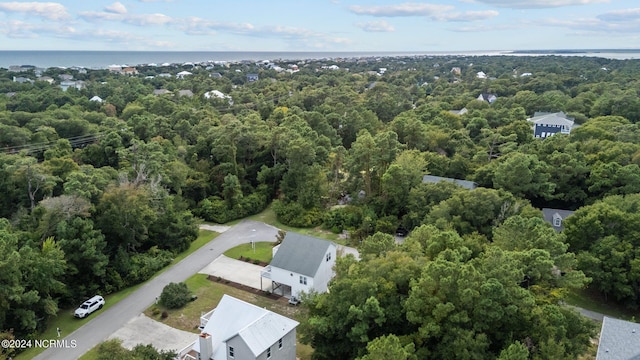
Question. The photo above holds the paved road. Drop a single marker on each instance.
(105, 323)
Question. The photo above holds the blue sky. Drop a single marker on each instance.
(319, 25)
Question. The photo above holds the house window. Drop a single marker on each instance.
(303, 280)
(557, 221)
(280, 344)
(268, 353)
(328, 256)
(231, 352)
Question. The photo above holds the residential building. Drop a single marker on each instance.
(431, 179)
(546, 124)
(301, 264)
(459, 112)
(252, 77)
(555, 217)
(490, 98)
(96, 98)
(186, 92)
(182, 74)
(619, 340)
(238, 330)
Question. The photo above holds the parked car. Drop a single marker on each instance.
(89, 306)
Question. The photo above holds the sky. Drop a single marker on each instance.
(319, 25)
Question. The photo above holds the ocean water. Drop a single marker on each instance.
(102, 59)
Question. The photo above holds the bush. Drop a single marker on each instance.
(175, 295)
(165, 314)
(293, 214)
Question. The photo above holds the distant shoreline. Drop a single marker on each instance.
(98, 59)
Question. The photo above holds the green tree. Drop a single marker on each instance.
(175, 295)
(525, 176)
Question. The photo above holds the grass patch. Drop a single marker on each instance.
(68, 323)
(262, 252)
(268, 216)
(209, 294)
(594, 301)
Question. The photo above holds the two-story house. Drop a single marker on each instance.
(238, 330)
(301, 264)
(547, 124)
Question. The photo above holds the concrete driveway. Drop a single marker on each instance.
(143, 330)
(240, 272)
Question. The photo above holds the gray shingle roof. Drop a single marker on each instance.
(619, 340)
(558, 118)
(549, 213)
(301, 254)
(436, 179)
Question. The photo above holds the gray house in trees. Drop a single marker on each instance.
(619, 340)
(555, 217)
(547, 124)
(431, 179)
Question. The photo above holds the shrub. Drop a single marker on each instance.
(175, 295)
(165, 314)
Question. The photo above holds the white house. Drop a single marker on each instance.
(182, 74)
(238, 330)
(301, 264)
(96, 98)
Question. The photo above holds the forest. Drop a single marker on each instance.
(103, 184)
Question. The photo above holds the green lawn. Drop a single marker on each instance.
(67, 323)
(262, 251)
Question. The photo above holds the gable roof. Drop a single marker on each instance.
(259, 328)
(265, 331)
(558, 118)
(301, 254)
(436, 179)
(550, 214)
(619, 340)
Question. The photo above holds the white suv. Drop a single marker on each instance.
(89, 306)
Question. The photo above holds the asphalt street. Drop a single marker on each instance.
(106, 322)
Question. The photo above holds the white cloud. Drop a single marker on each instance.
(376, 26)
(48, 10)
(594, 27)
(406, 9)
(621, 15)
(488, 28)
(538, 4)
(468, 16)
(24, 30)
(116, 8)
(199, 26)
(148, 19)
(100, 15)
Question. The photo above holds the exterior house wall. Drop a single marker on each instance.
(292, 279)
(542, 130)
(240, 349)
(325, 270)
(287, 352)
